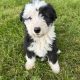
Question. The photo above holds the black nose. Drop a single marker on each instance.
(37, 29)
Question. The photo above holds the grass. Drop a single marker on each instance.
(11, 42)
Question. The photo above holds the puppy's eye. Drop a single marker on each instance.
(29, 18)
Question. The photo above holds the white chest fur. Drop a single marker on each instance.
(41, 45)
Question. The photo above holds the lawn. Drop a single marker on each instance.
(11, 42)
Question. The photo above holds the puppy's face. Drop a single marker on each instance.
(38, 18)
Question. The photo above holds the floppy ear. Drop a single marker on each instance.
(49, 13)
(52, 12)
(21, 18)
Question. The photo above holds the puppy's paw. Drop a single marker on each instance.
(29, 66)
(55, 67)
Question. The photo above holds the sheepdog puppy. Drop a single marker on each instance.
(40, 38)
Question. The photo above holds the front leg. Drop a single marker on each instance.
(53, 62)
(52, 58)
(30, 57)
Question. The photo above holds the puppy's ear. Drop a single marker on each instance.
(49, 13)
(52, 12)
(21, 14)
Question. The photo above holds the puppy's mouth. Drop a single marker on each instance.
(39, 35)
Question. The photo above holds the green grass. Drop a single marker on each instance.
(11, 42)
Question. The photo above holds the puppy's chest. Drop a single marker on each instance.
(41, 46)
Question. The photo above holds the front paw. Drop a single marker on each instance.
(29, 66)
(55, 67)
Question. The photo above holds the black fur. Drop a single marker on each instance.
(21, 18)
(52, 55)
(27, 42)
(48, 13)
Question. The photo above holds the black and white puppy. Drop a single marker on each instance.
(40, 38)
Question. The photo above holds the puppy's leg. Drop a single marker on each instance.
(30, 56)
(52, 58)
(30, 61)
(53, 62)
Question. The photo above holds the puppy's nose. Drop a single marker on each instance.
(37, 29)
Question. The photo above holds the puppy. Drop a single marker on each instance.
(40, 38)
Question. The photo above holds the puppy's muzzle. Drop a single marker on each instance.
(37, 29)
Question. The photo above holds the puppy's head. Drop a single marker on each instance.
(38, 18)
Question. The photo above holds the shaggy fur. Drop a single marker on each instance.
(40, 38)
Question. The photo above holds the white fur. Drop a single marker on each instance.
(58, 52)
(37, 3)
(41, 45)
(30, 63)
(36, 21)
(55, 67)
